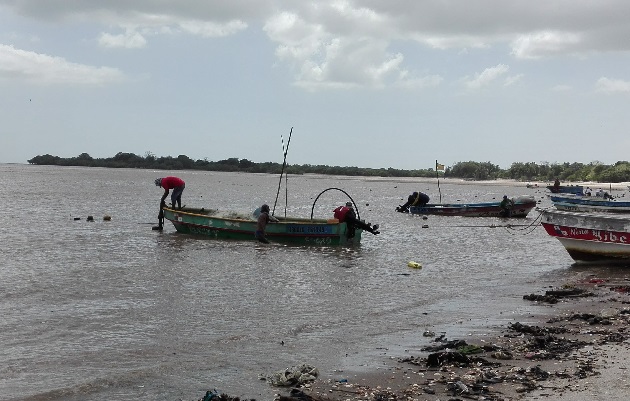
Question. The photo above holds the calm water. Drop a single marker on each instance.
(116, 311)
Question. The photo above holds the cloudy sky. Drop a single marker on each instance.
(367, 83)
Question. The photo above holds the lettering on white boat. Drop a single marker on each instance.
(577, 231)
(609, 237)
(560, 231)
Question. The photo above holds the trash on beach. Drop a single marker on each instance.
(414, 265)
(301, 374)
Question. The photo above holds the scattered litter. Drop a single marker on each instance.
(294, 376)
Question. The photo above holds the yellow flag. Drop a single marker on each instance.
(439, 166)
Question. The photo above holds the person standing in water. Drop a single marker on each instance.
(263, 218)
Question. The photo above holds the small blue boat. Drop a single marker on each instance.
(577, 203)
(566, 189)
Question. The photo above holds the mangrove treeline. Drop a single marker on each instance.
(470, 170)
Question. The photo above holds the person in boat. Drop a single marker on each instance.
(587, 191)
(346, 214)
(506, 206)
(263, 218)
(556, 184)
(174, 183)
(415, 199)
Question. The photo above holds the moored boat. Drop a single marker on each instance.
(566, 189)
(577, 203)
(590, 236)
(291, 230)
(522, 205)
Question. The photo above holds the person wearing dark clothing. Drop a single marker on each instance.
(263, 218)
(346, 214)
(506, 207)
(415, 199)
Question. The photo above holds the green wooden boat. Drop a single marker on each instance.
(289, 230)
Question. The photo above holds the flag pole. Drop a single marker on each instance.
(437, 175)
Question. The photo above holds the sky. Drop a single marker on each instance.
(365, 83)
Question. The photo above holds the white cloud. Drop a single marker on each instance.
(322, 58)
(350, 43)
(128, 40)
(138, 27)
(511, 80)
(612, 85)
(547, 43)
(486, 76)
(16, 64)
(212, 29)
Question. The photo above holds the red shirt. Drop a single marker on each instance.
(340, 213)
(172, 182)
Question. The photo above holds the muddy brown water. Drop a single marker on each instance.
(115, 310)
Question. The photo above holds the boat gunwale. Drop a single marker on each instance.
(281, 220)
(599, 215)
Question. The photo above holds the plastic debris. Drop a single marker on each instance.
(301, 374)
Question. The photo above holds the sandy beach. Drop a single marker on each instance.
(576, 350)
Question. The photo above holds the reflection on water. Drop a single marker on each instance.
(115, 310)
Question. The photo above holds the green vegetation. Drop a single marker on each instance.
(566, 172)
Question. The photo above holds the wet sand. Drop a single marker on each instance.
(576, 350)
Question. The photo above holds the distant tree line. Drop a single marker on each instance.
(182, 162)
(566, 172)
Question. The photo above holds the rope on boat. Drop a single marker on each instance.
(529, 228)
(524, 229)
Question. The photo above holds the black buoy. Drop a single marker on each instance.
(90, 218)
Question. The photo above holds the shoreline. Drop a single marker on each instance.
(618, 186)
(576, 349)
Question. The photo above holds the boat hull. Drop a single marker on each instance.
(566, 189)
(590, 237)
(522, 206)
(297, 231)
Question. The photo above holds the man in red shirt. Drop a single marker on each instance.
(174, 183)
(346, 214)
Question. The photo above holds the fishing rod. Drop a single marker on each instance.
(284, 164)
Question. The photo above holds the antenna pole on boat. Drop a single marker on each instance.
(437, 175)
(284, 164)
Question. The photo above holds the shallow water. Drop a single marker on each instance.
(115, 310)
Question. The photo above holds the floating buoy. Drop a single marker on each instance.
(90, 218)
(425, 226)
(77, 218)
(415, 265)
(107, 218)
